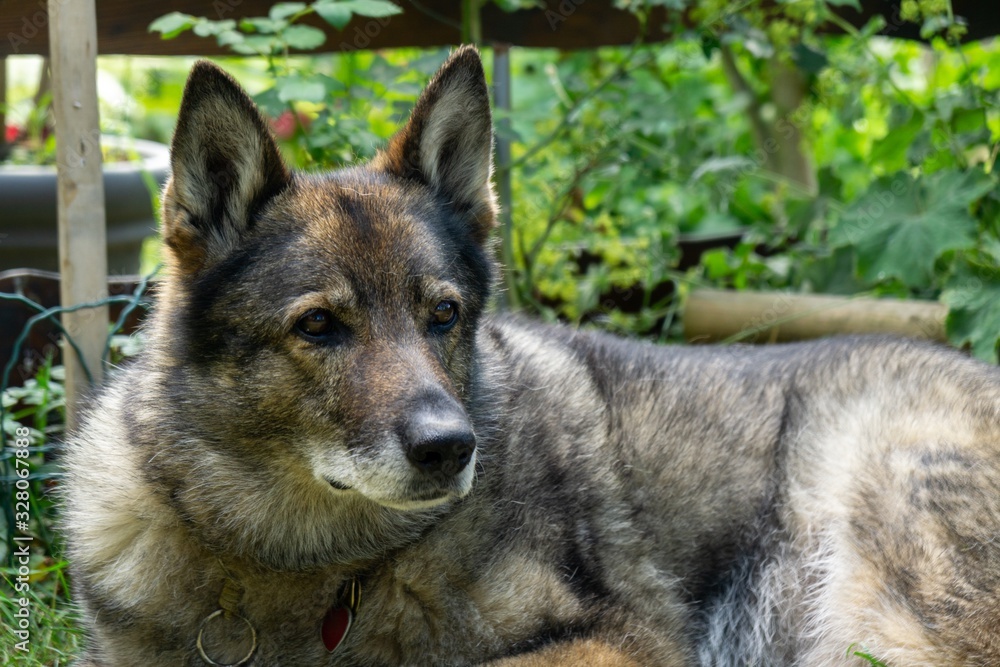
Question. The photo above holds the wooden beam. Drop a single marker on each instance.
(566, 24)
(123, 26)
(82, 243)
(771, 317)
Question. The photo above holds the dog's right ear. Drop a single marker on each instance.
(225, 166)
(448, 142)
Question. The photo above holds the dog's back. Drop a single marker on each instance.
(807, 497)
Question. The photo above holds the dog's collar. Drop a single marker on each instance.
(339, 619)
(336, 624)
(229, 602)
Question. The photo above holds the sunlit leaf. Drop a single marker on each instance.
(336, 14)
(300, 90)
(373, 8)
(283, 10)
(172, 24)
(303, 37)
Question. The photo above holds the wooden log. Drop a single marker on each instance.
(82, 239)
(756, 317)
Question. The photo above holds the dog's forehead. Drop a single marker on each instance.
(357, 208)
(360, 227)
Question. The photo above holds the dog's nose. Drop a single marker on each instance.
(440, 442)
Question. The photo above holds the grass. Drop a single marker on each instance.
(872, 660)
(55, 638)
(36, 592)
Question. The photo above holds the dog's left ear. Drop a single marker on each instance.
(448, 142)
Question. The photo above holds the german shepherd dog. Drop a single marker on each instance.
(330, 453)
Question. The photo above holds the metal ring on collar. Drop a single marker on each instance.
(201, 649)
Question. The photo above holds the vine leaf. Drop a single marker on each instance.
(973, 298)
(901, 225)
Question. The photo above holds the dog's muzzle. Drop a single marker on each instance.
(437, 437)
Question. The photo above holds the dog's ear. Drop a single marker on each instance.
(448, 142)
(225, 165)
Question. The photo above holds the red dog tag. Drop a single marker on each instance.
(336, 625)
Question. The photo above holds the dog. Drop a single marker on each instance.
(331, 452)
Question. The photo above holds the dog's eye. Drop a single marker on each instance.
(444, 315)
(319, 324)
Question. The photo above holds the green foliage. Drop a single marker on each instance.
(603, 182)
(902, 141)
(279, 31)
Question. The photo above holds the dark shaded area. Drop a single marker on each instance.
(42, 287)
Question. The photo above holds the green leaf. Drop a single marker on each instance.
(270, 103)
(283, 10)
(809, 59)
(263, 25)
(845, 3)
(726, 163)
(934, 24)
(973, 298)
(172, 24)
(716, 263)
(373, 8)
(300, 90)
(303, 37)
(900, 226)
(257, 45)
(891, 149)
(337, 14)
(968, 120)
(757, 43)
(230, 38)
(517, 5)
(206, 28)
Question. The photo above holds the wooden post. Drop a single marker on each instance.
(83, 260)
(502, 102)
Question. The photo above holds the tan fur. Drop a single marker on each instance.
(582, 652)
